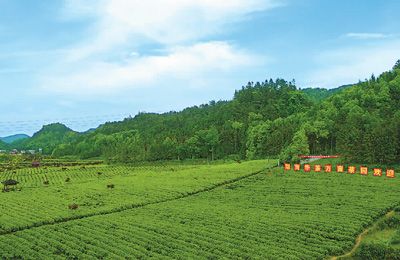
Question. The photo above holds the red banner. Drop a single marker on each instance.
(390, 173)
(328, 168)
(339, 168)
(363, 170)
(287, 166)
(377, 172)
(318, 156)
(351, 169)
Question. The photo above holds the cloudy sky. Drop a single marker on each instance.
(82, 62)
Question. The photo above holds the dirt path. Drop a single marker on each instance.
(360, 238)
(131, 206)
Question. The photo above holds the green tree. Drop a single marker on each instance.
(237, 126)
(299, 146)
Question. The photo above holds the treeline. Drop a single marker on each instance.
(264, 119)
(214, 130)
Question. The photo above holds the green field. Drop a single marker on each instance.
(189, 211)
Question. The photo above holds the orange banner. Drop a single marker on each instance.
(363, 170)
(287, 166)
(377, 172)
(351, 169)
(328, 168)
(339, 168)
(390, 173)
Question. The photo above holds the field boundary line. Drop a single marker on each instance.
(131, 206)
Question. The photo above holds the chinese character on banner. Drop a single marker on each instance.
(328, 168)
(390, 173)
(297, 167)
(317, 168)
(377, 172)
(307, 167)
(287, 166)
(339, 168)
(363, 170)
(351, 169)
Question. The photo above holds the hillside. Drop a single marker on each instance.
(213, 130)
(264, 119)
(49, 137)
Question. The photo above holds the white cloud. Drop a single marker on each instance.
(367, 36)
(166, 22)
(181, 63)
(349, 65)
(178, 28)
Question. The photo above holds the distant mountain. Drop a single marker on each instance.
(13, 138)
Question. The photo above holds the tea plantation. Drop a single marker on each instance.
(190, 212)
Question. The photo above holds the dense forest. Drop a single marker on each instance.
(264, 119)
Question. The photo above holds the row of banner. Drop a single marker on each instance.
(363, 170)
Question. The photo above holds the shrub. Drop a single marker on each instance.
(373, 251)
(73, 206)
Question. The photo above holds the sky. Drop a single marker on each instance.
(84, 62)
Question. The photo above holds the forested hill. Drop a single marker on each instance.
(48, 138)
(264, 119)
(213, 130)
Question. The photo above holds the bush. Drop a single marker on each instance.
(73, 206)
(372, 251)
(396, 238)
(391, 222)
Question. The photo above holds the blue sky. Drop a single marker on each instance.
(85, 62)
